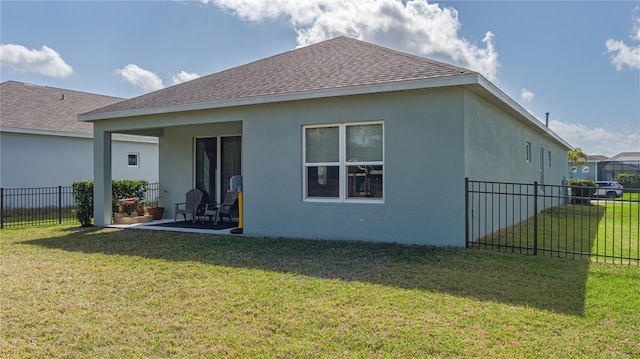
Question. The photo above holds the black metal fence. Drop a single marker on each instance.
(45, 206)
(23, 207)
(549, 220)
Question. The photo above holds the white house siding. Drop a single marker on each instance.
(44, 161)
(148, 161)
(36, 160)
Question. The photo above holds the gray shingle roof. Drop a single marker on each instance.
(337, 63)
(35, 107)
(626, 156)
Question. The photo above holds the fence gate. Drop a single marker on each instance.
(549, 220)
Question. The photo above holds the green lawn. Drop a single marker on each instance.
(72, 292)
(631, 194)
(609, 229)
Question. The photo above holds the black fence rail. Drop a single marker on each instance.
(550, 220)
(23, 207)
(46, 206)
(152, 194)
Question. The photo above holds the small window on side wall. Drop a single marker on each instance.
(133, 159)
(528, 151)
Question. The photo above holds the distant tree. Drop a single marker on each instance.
(577, 157)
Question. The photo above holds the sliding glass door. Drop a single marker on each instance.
(217, 159)
(230, 157)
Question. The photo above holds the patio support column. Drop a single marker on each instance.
(101, 177)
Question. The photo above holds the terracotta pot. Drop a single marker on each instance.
(156, 212)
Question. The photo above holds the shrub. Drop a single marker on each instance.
(83, 198)
(629, 180)
(582, 190)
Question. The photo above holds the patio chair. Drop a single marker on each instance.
(194, 197)
(216, 210)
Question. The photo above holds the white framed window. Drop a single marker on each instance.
(133, 159)
(549, 159)
(528, 151)
(344, 162)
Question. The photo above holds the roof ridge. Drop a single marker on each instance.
(29, 84)
(344, 37)
(398, 52)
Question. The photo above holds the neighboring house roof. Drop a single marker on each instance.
(338, 63)
(596, 158)
(626, 156)
(41, 108)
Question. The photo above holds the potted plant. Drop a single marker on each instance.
(154, 208)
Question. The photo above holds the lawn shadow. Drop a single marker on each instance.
(556, 285)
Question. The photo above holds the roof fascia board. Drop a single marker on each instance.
(29, 131)
(116, 137)
(458, 80)
(134, 138)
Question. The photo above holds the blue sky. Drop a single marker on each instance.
(577, 60)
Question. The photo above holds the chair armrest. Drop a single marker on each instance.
(211, 206)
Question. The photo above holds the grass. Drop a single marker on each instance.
(25, 217)
(630, 194)
(607, 231)
(72, 292)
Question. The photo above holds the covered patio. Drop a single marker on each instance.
(194, 155)
(199, 226)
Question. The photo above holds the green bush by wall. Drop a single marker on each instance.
(82, 192)
(83, 196)
(582, 190)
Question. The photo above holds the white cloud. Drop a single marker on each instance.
(140, 77)
(414, 26)
(184, 76)
(635, 28)
(526, 95)
(623, 55)
(45, 61)
(597, 141)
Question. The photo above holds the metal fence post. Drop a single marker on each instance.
(2, 208)
(466, 212)
(59, 204)
(535, 218)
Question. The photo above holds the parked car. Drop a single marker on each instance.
(608, 189)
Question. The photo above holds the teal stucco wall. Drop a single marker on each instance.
(423, 170)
